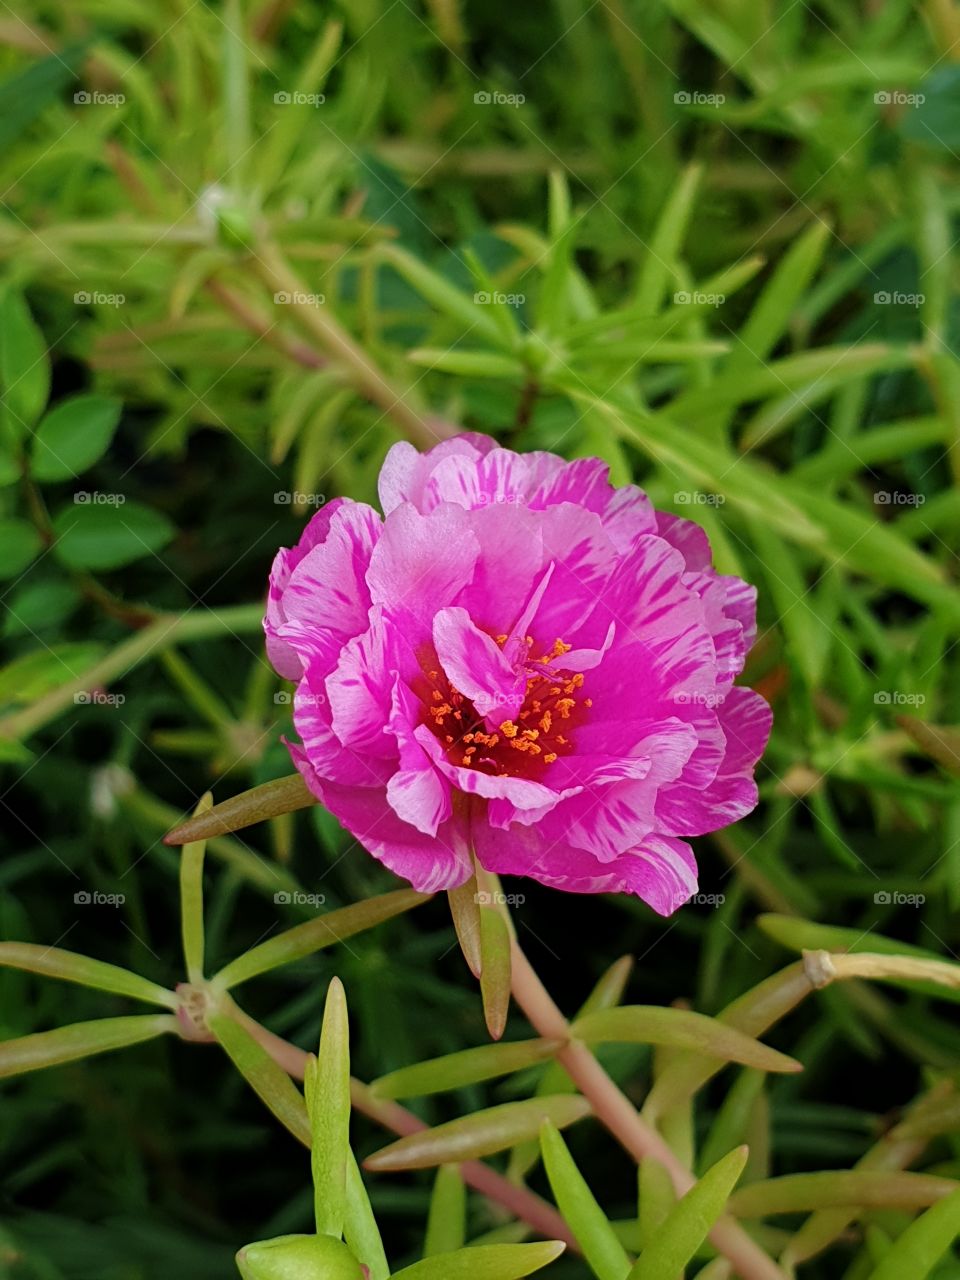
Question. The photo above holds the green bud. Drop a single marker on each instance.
(235, 228)
(298, 1258)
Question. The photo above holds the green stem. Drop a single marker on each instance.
(167, 630)
(280, 277)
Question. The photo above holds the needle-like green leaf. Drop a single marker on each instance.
(921, 1246)
(314, 935)
(689, 1222)
(82, 1040)
(191, 898)
(604, 1253)
(86, 972)
(268, 1081)
(682, 1029)
(269, 800)
(485, 1262)
(495, 969)
(327, 1088)
(481, 1134)
(447, 1219)
(469, 1066)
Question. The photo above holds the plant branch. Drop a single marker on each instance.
(618, 1114)
(167, 630)
(280, 277)
(517, 1200)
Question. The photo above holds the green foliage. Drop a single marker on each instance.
(246, 246)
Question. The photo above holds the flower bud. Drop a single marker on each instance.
(298, 1258)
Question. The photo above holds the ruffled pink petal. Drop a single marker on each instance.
(328, 587)
(360, 687)
(286, 560)
(429, 862)
(476, 667)
(689, 538)
(405, 472)
(511, 560)
(418, 793)
(607, 820)
(422, 562)
(584, 561)
(419, 797)
(501, 478)
(745, 720)
(522, 793)
(660, 870)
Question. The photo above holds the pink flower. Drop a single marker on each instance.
(522, 661)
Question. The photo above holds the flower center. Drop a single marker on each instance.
(522, 745)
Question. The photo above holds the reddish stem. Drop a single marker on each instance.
(618, 1114)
